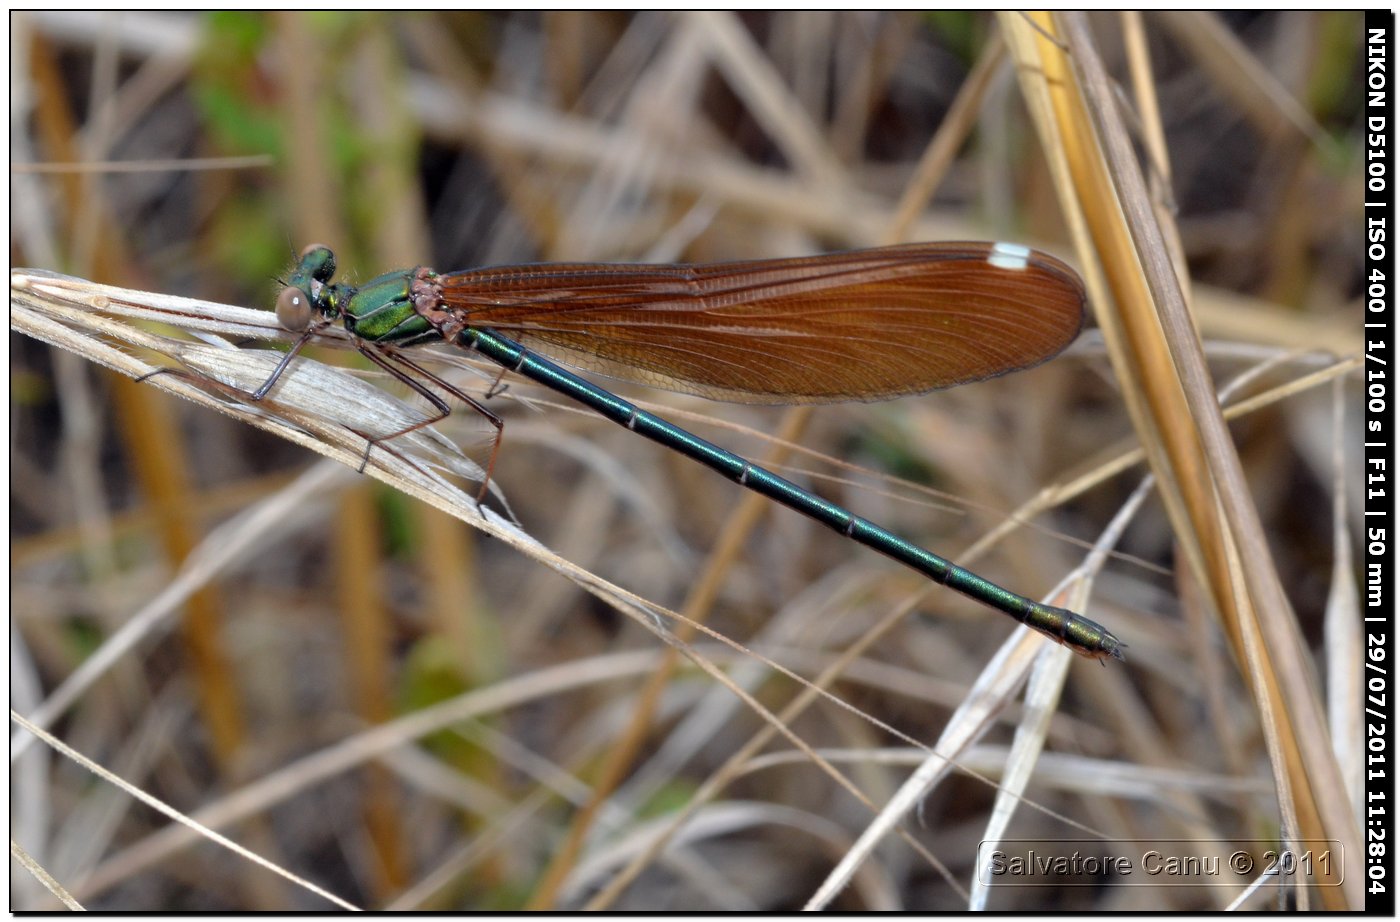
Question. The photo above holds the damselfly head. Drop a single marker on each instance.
(298, 303)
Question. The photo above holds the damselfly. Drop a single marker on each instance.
(863, 325)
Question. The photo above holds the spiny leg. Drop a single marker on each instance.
(263, 388)
(497, 388)
(385, 361)
(297, 346)
(163, 371)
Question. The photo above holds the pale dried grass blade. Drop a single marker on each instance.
(1183, 432)
(161, 807)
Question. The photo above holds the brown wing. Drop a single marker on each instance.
(863, 325)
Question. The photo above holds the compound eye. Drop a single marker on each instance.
(294, 309)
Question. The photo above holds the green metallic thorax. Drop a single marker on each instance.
(380, 310)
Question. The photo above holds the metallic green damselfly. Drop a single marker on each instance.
(864, 325)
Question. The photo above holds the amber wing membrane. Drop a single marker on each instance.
(862, 325)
